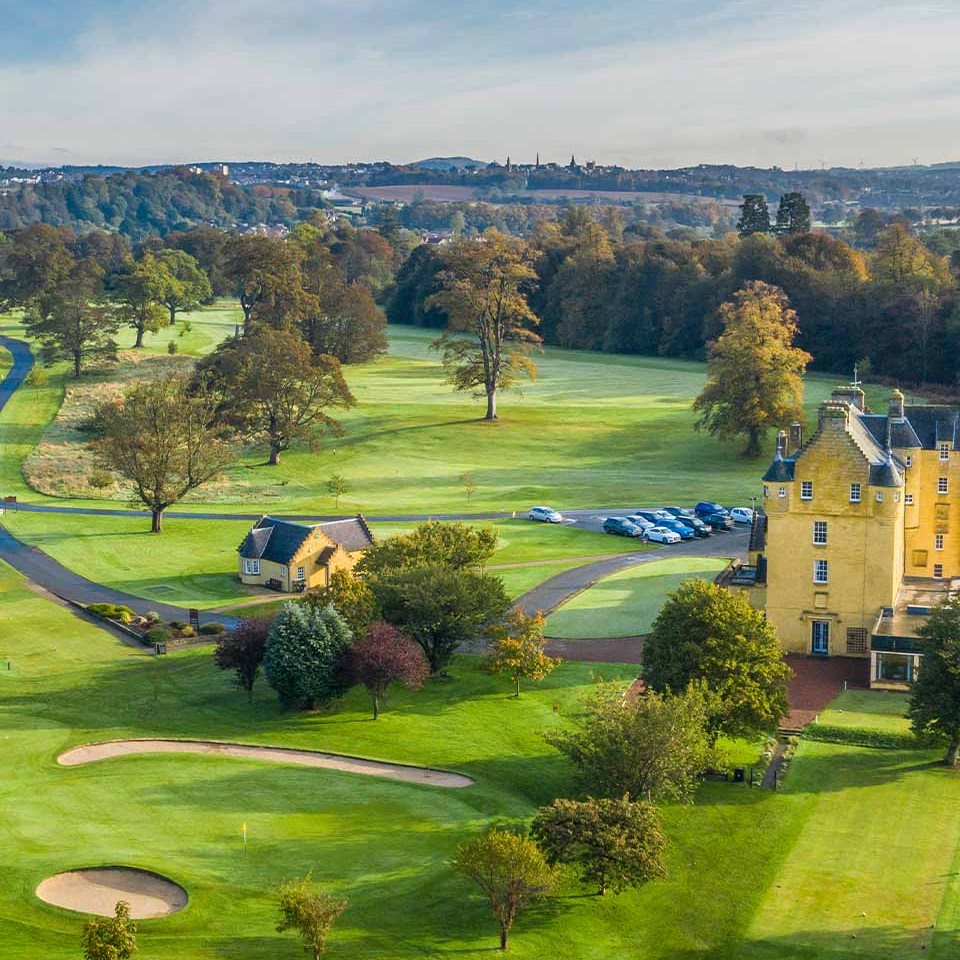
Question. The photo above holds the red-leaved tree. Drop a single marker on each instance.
(241, 650)
(384, 656)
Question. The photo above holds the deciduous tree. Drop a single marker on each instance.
(265, 273)
(140, 295)
(162, 438)
(310, 912)
(111, 938)
(934, 708)
(305, 655)
(384, 656)
(516, 649)
(755, 374)
(189, 286)
(352, 598)
(242, 650)
(490, 325)
(653, 747)
(614, 843)
(707, 634)
(440, 607)
(434, 543)
(271, 387)
(510, 871)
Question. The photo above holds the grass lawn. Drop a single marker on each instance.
(372, 841)
(625, 604)
(193, 562)
(593, 430)
(873, 871)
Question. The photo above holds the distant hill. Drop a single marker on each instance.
(445, 163)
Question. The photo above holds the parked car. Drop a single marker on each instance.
(545, 515)
(621, 527)
(717, 521)
(710, 506)
(661, 535)
(678, 527)
(690, 519)
(741, 515)
(641, 522)
(653, 516)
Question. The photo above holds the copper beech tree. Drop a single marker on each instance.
(489, 334)
(382, 657)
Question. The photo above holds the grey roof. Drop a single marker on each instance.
(885, 474)
(279, 540)
(902, 434)
(781, 470)
(933, 423)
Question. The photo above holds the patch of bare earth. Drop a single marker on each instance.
(97, 890)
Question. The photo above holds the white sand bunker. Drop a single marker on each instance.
(97, 889)
(305, 758)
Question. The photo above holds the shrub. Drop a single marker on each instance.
(100, 479)
(112, 611)
(861, 737)
(187, 632)
(212, 628)
(152, 616)
(178, 624)
(172, 347)
(158, 635)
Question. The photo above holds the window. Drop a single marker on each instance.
(896, 496)
(857, 640)
(301, 573)
(854, 492)
(879, 496)
(766, 491)
(251, 567)
(908, 499)
(919, 558)
(820, 571)
(895, 667)
(806, 489)
(820, 532)
(909, 461)
(938, 542)
(942, 484)
(944, 451)
(938, 570)
(782, 492)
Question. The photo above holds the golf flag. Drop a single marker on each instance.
(243, 831)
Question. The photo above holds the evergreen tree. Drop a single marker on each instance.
(793, 214)
(754, 215)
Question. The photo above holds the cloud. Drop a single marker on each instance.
(651, 83)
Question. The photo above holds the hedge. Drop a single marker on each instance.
(862, 737)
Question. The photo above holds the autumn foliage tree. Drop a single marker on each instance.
(755, 373)
(111, 938)
(510, 871)
(516, 649)
(382, 657)
(308, 911)
(489, 333)
(615, 843)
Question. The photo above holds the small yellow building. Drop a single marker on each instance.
(293, 557)
(854, 545)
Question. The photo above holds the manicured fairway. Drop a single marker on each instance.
(373, 841)
(625, 604)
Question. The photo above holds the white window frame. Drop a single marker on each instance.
(879, 496)
(301, 574)
(806, 489)
(938, 571)
(251, 568)
(938, 542)
(856, 492)
(782, 492)
(909, 461)
(944, 452)
(908, 499)
(943, 486)
(766, 491)
(821, 571)
(820, 533)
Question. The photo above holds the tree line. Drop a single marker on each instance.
(595, 284)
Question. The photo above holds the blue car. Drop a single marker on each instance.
(690, 519)
(686, 533)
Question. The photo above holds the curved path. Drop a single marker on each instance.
(92, 752)
(22, 365)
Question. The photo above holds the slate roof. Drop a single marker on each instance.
(902, 434)
(781, 470)
(934, 424)
(279, 540)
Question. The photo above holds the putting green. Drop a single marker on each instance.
(625, 604)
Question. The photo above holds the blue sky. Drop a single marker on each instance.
(644, 83)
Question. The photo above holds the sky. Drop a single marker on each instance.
(644, 83)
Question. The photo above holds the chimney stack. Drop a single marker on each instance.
(782, 443)
(896, 405)
(796, 437)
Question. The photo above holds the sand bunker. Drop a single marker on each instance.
(305, 758)
(98, 889)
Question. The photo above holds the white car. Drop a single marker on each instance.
(661, 535)
(641, 522)
(545, 515)
(741, 515)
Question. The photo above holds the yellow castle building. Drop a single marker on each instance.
(860, 532)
